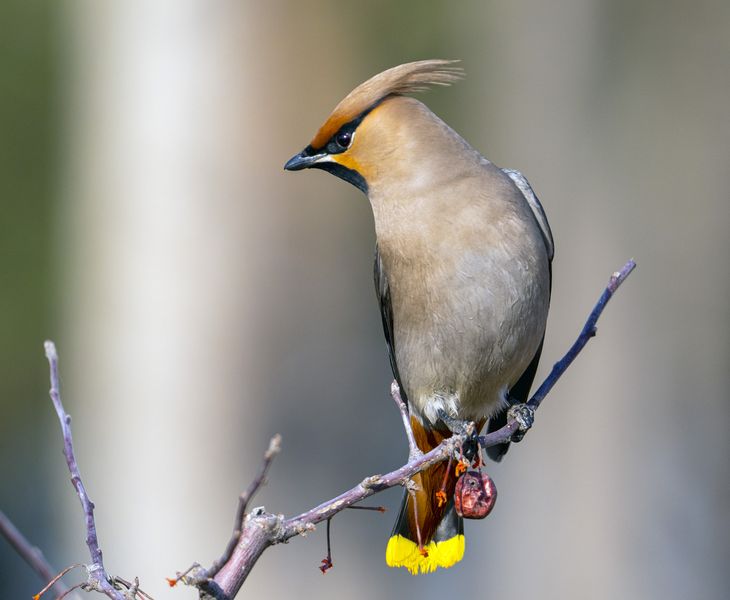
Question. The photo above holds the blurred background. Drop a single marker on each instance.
(202, 299)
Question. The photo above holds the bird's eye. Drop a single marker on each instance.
(343, 139)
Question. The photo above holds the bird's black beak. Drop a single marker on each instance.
(305, 159)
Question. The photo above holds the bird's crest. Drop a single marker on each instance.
(410, 77)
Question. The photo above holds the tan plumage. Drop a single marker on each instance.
(403, 79)
(462, 274)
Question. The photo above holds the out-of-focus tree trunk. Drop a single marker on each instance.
(162, 218)
(193, 266)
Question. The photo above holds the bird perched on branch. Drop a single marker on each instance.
(462, 273)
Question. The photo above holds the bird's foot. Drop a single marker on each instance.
(470, 447)
(456, 426)
(524, 416)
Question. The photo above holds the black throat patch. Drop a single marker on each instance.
(349, 175)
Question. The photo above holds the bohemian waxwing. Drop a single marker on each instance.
(462, 273)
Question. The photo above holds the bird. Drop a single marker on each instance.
(463, 275)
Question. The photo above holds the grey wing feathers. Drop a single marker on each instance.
(524, 186)
(520, 392)
(386, 314)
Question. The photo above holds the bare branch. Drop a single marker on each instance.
(262, 529)
(413, 450)
(257, 530)
(98, 577)
(588, 331)
(56, 579)
(244, 499)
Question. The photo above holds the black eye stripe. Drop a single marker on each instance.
(335, 147)
(343, 138)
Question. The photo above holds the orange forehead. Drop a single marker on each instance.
(336, 120)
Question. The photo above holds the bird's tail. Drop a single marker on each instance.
(428, 533)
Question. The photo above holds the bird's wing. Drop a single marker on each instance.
(386, 313)
(524, 186)
(518, 394)
(520, 391)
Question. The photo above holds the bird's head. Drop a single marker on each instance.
(367, 127)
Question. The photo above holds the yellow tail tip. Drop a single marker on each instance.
(402, 552)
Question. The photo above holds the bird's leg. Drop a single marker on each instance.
(524, 416)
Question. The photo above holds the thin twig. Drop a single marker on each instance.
(78, 586)
(588, 331)
(30, 554)
(380, 509)
(56, 579)
(412, 493)
(273, 449)
(327, 560)
(195, 567)
(133, 589)
(413, 450)
(243, 500)
(506, 433)
(327, 563)
(98, 576)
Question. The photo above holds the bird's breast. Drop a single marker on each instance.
(469, 301)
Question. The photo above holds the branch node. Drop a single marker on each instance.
(274, 447)
(411, 485)
(332, 506)
(372, 482)
(304, 528)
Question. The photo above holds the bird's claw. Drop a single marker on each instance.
(456, 426)
(470, 446)
(524, 416)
